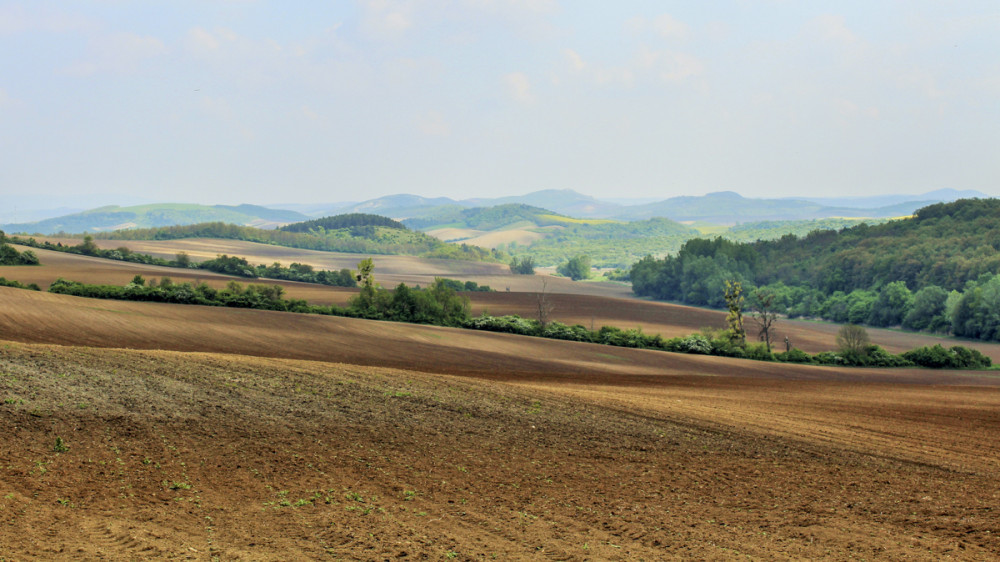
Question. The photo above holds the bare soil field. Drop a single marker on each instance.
(389, 270)
(588, 304)
(34, 317)
(673, 320)
(255, 435)
(194, 456)
(487, 239)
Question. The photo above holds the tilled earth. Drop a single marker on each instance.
(122, 454)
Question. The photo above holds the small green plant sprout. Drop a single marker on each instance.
(60, 446)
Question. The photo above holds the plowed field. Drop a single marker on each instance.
(150, 431)
(196, 456)
(589, 304)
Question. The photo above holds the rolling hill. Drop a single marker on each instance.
(724, 207)
(149, 430)
(110, 218)
(728, 207)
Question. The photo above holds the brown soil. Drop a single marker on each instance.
(389, 270)
(31, 316)
(196, 456)
(673, 320)
(252, 435)
(588, 304)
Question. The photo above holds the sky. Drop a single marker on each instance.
(255, 101)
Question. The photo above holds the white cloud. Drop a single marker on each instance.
(664, 25)
(670, 66)
(433, 124)
(119, 52)
(392, 18)
(204, 42)
(575, 60)
(519, 87)
(388, 17)
(671, 28)
(830, 27)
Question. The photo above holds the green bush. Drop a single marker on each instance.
(576, 268)
(958, 357)
(523, 266)
(758, 352)
(793, 355)
(18, 285)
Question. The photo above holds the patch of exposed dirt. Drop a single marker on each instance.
(194, 456)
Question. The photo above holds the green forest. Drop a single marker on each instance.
(934, 272)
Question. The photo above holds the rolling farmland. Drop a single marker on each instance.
(197, 432)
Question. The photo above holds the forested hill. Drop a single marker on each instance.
(362, 239)
(486, 218)
(945, 244)
(350, 220)
(105, 219)
(897, 273)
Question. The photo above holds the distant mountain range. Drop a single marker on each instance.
(151, 216)
(724, 208)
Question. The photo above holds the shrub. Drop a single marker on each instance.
(793, 355)
(958, 357)
(576, 268)
(697, 344)
(523, 266)
(758, 352)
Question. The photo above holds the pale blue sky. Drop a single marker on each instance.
(264, 102)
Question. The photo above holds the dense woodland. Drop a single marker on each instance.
(935, 272)
(481, 218)
(608, 244)
(351, 220)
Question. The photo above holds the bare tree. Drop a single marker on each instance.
(853, 339)
(545, 305)
(764, 314)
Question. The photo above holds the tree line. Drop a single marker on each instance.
(10, 256)
(350, 221)
(227, 265)
(936, 272)
(439, 304)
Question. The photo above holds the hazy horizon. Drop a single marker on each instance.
(244, 101)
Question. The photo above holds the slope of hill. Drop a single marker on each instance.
(772, 230)
(729, 207)
(562, 201)
(486, 218)
(874, 201)
(402, 206)
(151, 216)
(551, 238)
(368, 239)
(608, 244)
(937, 271)
(249, 458)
